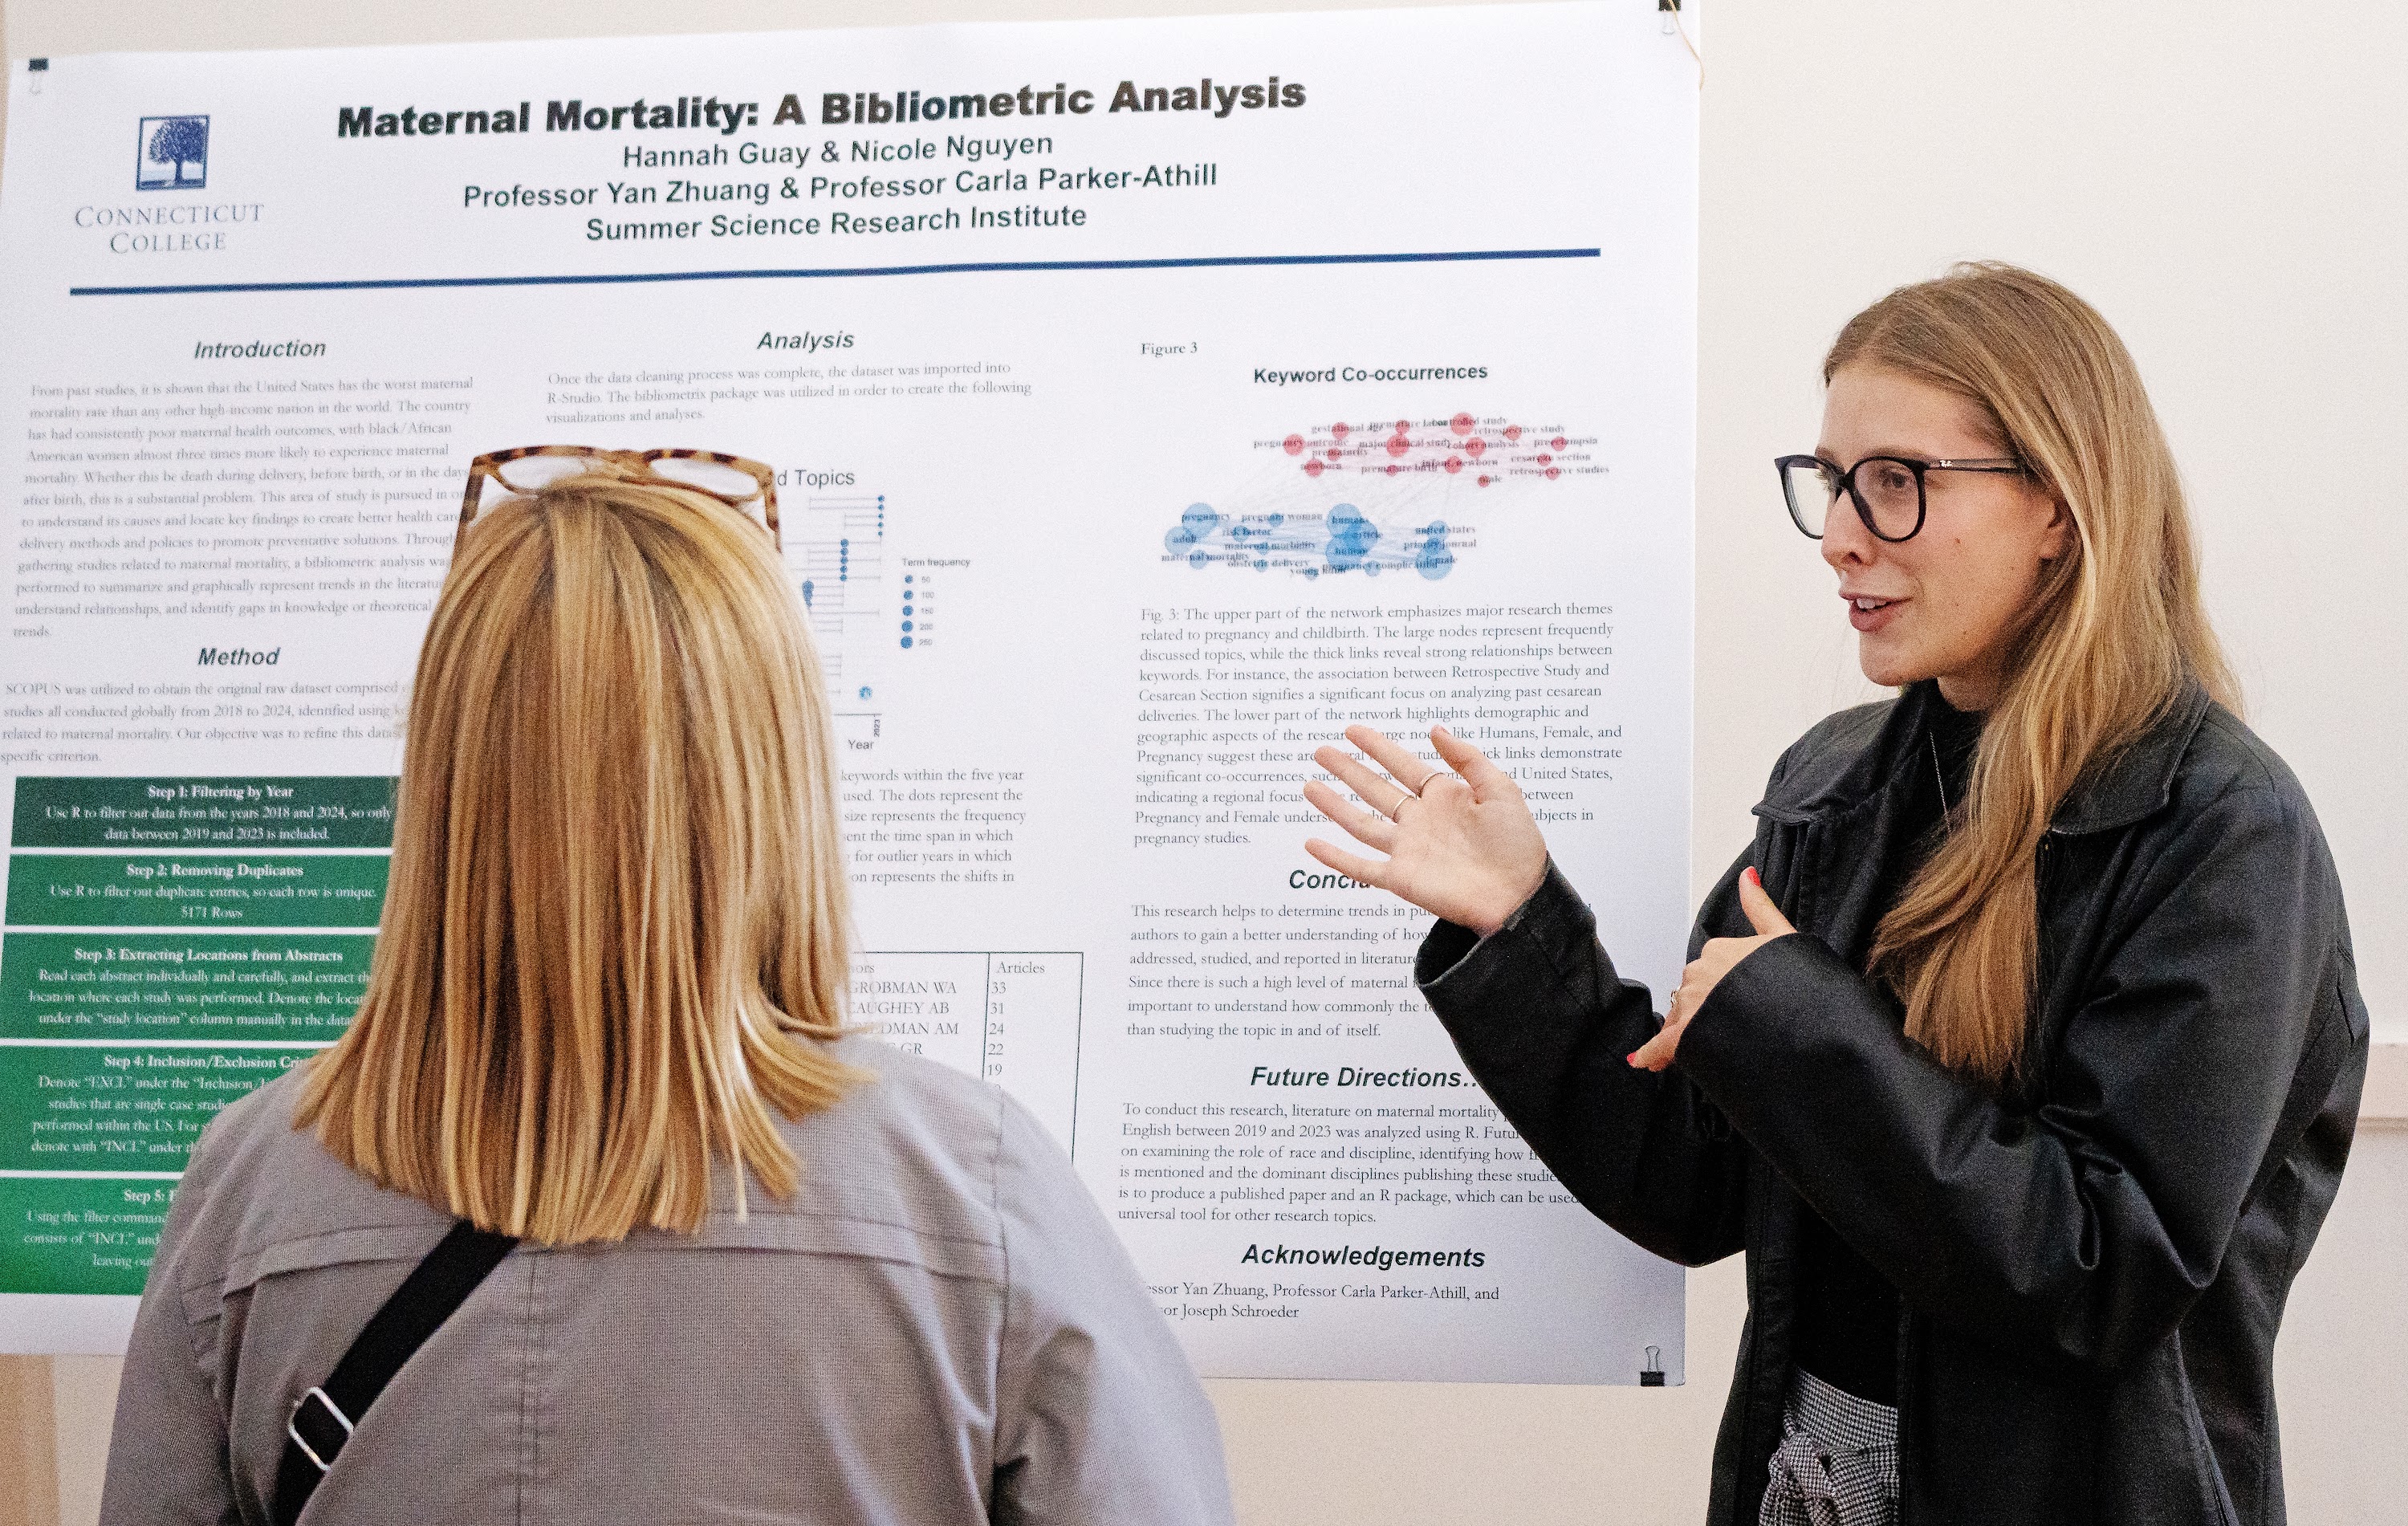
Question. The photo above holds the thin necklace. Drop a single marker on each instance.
(1942, 779)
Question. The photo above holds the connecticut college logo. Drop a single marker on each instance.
(174, 155)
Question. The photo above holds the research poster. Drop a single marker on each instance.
(1149, 401)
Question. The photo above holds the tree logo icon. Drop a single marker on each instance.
(173, 154)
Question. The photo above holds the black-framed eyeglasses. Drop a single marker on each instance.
(1887, 490)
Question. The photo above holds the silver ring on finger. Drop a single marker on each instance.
(1425, 782)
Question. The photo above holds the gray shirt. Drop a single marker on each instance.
(940, 1327)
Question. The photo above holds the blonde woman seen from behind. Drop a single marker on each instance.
(767, 1271)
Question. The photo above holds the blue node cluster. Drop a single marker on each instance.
(1188, 535)
(1343, 539)
(1435, 559)
(1351, 539)
(807, 593)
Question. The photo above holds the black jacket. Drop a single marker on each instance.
(2092, 1265)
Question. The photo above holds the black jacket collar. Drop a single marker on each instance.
(2140, 780)
(1856, 754)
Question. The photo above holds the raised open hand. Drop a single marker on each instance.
(1459, 841)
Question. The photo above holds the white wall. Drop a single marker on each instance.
(2224, 181)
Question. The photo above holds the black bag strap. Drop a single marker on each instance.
(323, 1417)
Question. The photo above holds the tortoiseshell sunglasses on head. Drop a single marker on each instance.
(731, 479)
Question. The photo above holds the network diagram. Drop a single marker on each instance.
(1402, 497)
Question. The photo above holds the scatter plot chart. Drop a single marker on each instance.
(835, 553)
(1400, 496)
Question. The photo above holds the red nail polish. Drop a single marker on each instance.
(1753, 876)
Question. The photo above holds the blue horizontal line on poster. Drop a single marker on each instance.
(965, 267)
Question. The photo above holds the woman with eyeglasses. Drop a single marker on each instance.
(2020, 1052)
(725, 1259)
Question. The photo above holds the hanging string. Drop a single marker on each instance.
(1680, 24)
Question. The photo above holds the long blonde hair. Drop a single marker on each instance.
(616, 923)
(2116, 631)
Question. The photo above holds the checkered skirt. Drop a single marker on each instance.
(1837, 1464)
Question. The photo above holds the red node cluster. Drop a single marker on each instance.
(1463, 426)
